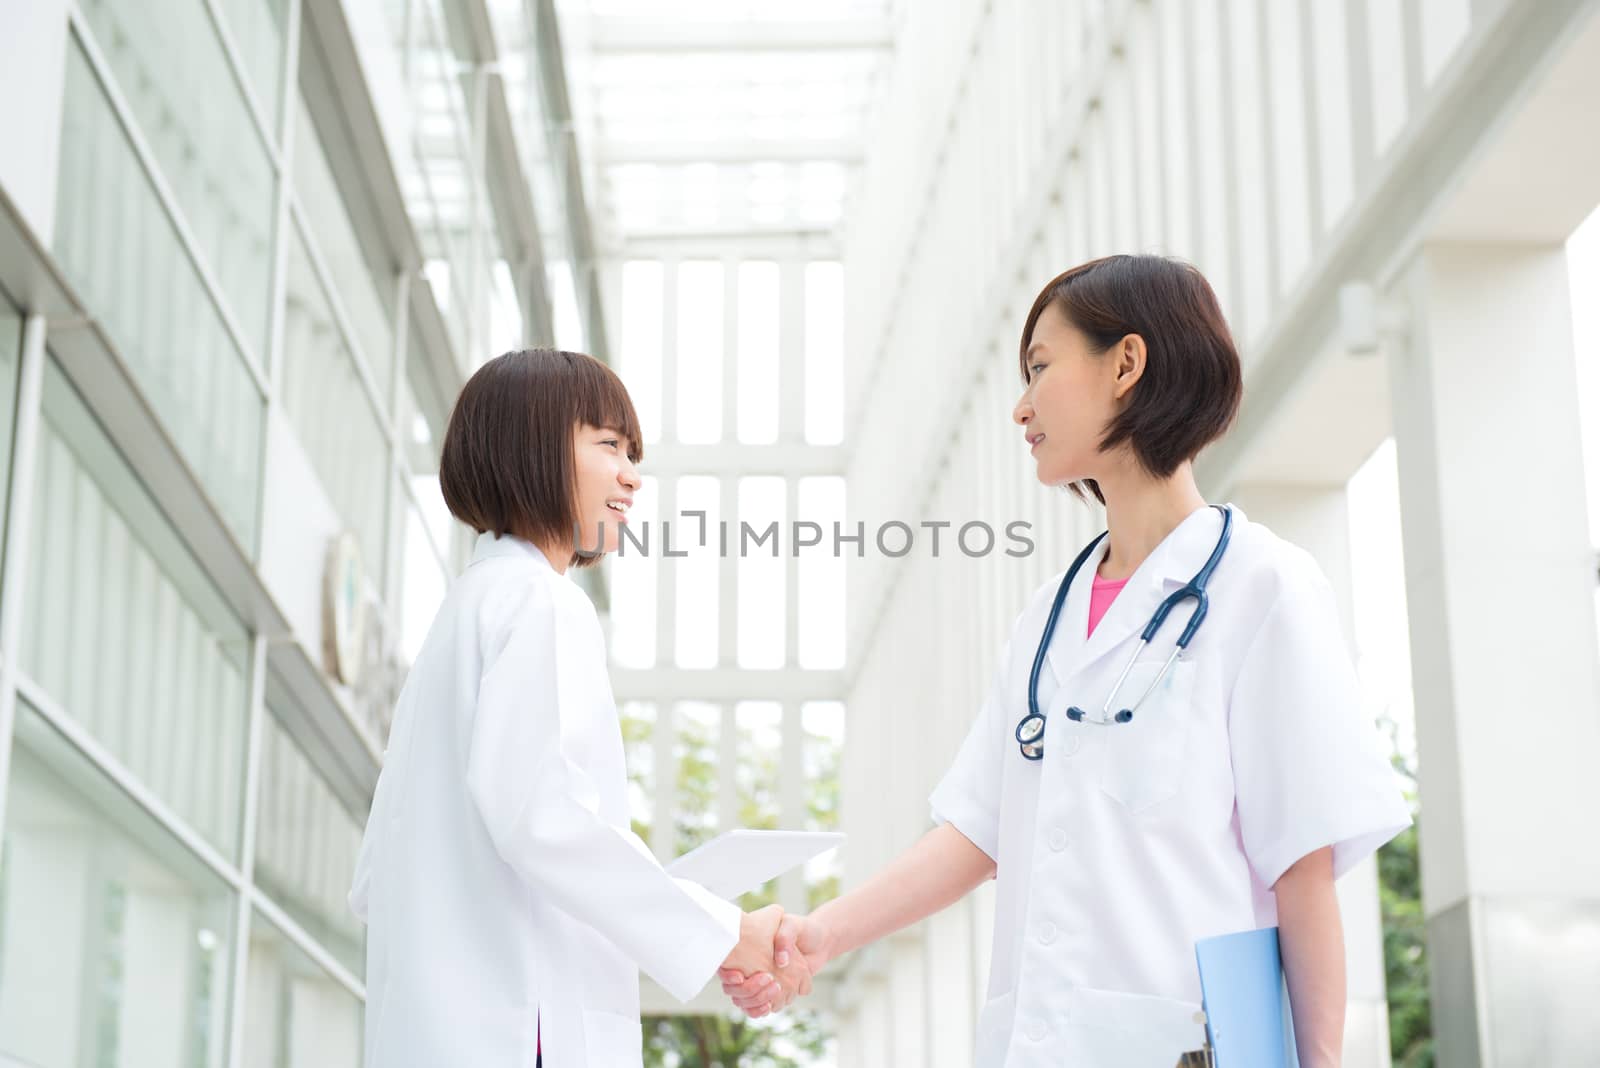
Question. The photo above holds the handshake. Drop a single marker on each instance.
(774, 961)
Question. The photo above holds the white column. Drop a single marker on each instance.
(1316, 518)
(1500, 584)
(908, 1023)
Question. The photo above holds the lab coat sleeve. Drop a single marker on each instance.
(1308, 771)
(968, 797)
(539, 810)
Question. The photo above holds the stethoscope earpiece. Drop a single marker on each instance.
(1075, 715)
(1125, 716)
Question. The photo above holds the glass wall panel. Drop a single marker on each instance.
(119, 249)
(819, 609)
(634, 582)
(700, 337)
(699, 573)
(699, 726)
(643, 320)
(762, 572)
(191, 114)
(366, 292)
(257, 30)
(757, 358)
(296, 1014)
(824, 347)
(111, 587)
(306, 846)
(332, 414)
(114, 939)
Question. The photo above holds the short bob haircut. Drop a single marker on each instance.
(508, 465)
(1192, 382)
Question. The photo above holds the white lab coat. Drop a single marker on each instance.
(1129, 843)
(503, 890)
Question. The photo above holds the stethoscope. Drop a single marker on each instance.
(1030, 730)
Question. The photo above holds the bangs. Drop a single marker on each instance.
(601, 400)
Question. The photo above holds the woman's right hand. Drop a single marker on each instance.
(805, 939)
(765, 960)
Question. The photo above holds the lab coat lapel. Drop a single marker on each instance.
(1166, 570)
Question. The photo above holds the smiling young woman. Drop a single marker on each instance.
(1135, 796)
(505, 894)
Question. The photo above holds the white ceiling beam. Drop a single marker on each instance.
(790, 245)
(614, 150)
(619, 34)
(689, 234)
(792, 685)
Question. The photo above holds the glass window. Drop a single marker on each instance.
(757, 358)
(190, 113)
(306, 846)
(332, 414)
(114, 939)
(824, 346)
(110, 584)
(699, 730)
(822, 724)
(256, 28)
(633, 583)
(639, 752)
(700, 335)
(643, 297)
(366, 291)
(762, 571)
(699, 573)
(118, 247)
(296, 1014)
(819, 611)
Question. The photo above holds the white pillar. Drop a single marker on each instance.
(1500, 584)
(1316, 518)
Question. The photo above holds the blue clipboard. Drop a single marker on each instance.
(1246, 1003)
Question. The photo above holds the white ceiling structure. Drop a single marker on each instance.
(722, 119)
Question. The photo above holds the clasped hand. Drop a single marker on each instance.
(773, 963)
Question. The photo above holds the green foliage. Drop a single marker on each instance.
(1405, 950)
(792, 1039)
(798, 1037)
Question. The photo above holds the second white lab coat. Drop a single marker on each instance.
(503, 890)
(1127, 844)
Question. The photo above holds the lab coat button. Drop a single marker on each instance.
(1058, 839)
(1047, 932)
(1036, 1030)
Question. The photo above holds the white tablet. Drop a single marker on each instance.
(740, 861)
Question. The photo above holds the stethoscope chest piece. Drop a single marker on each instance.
(1030, 730)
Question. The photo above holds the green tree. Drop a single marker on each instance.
(797, 1037)
(1405, 947)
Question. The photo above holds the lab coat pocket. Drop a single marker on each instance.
(1146, 757)
(1106, 1027)
(612, 1041)
(994, 1029)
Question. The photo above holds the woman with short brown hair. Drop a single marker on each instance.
(504, 892)
(1173, 748)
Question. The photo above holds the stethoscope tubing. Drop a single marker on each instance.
(1030, 729)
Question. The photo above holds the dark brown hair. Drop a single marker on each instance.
(1192, 382)
(508, 464)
